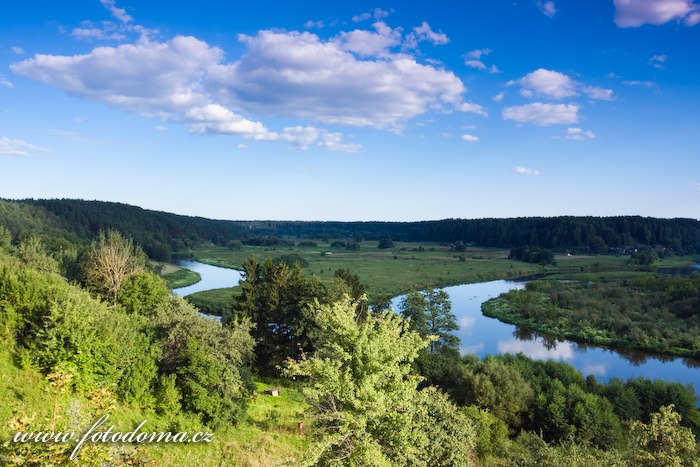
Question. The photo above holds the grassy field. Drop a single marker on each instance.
(386, 273)
(410, 266)
(268, 436)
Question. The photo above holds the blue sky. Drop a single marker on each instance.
(357, 111)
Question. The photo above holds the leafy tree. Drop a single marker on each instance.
(360, 387)
(142, 292)
(110, 260)
(385, 242)
(209, 362)
(430, 314)
(275, 298)
(663, 441)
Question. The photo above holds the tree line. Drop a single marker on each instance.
(161, 234)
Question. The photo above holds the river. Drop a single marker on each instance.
(483, 336)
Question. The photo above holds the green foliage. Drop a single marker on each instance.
(291, 260)
(360, 387)
(275, 298)
(663, 441)
(532, 254)
(209, 361)
(430, 314)
(385, 242)
(643, 257)
(660, 314)
(142, 292)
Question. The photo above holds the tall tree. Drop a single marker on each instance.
(430, 314)
(110, 260)
(363, 397)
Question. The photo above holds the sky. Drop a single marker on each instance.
(363, 110)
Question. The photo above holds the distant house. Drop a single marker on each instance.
(274, 392)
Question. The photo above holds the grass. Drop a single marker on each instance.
(267, 437)
(409, 266)
(386, 273)
(181, 277)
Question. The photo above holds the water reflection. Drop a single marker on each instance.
(483, 336)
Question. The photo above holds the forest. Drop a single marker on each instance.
(161, 234)
(85, 318)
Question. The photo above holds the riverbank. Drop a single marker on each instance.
(651, 314)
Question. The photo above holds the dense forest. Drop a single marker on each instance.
(379, 387)
(161, 234)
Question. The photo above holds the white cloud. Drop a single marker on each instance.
(525, 171)
(499, 97)
(473, 60)
(577, 134)
(162, 79)
(17, 147)
(161, 128)
(368, 43)
(314, 24)
(106, 31)
(242, 146)
(378, 13)
(634, 13)
(425, 33)
(300, 75)
(470, 138)
(118, 13)
(470, 107)
(547, 8)
(355, 78)
(17, 50)
(542, 114)
(556, 85)
(547, 83)
(647, 84)
(5, 83)
(657, 61)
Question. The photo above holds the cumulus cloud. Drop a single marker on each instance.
(577, 134)
(499, 97)
(17, 147)
(634, 13)
(470, 138)
(658, 61)
(547, 8)
(159, 79)
(300, 75)
(17, 50)
(5, 83)
(542, 114)
(357, 78)
(525, 171)
(556, 85)
(369, 43)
